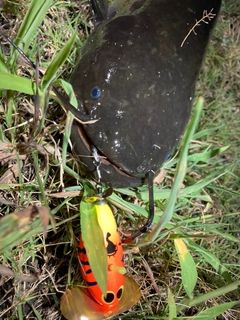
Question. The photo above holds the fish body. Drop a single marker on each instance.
(136, 77)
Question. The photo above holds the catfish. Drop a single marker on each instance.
(136, 78)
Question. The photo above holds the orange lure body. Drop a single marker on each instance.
(113, 244)
(122, 291)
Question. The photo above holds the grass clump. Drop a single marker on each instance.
(37, 170)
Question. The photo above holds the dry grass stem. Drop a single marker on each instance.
(205, 16)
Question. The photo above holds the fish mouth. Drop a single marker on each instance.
(90, 160)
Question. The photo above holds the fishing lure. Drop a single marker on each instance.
(122, 291)
(114, 251)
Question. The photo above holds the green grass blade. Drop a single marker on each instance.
(225, 235)
(3, 66)
(20, 312)
(8, 223)
(128, 206)
(70, 117)
(42, 187)
(69, 91)
(205, 132)
(213, 312)
(36, 313)
(210, 295)
(13, 235)
(188, 267)
(185, 192)
(58, 61)
(93, 241)
(210, 258)
(206, 155)
(16, 83)
(172, 306)
(32, 20)
(197, 157)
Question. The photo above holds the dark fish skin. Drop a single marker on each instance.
(147, 80)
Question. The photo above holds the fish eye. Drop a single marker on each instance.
(96, 92)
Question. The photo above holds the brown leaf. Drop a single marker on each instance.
(160, 177)
(9, 203)
(26, 215)
(64, 194)
(10, 175)
(30, 212)
(10, 156)
(7, 272)
(44, 215)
